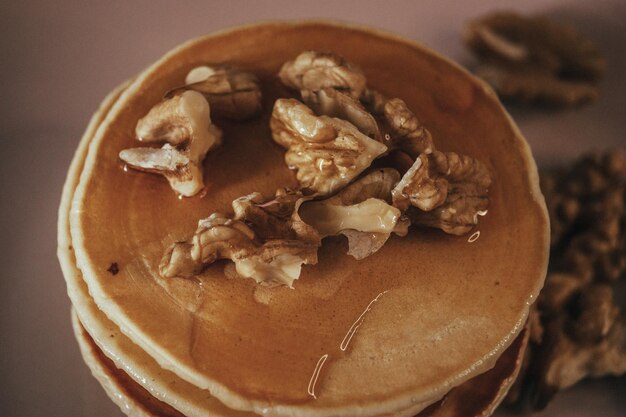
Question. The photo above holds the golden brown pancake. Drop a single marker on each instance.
(125, 355)
(477, 397)
(449, 310)
(131, 398)
(137, 388)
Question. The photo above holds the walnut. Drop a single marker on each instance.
(529, 84)
(584, 335)
(408, 133)
(597, 314)
(334, 103)
(276, 218)
(534, 59)
(583, 330)
(312, 71)
(331, 86)
(231, 92)
(266, 240)
(327, 152)
(374, 101)
(361, 212)
(216, 237)
(184, 123)
(587, 207)
(444, 190)
(567, 362)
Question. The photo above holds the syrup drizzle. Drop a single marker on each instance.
(316, 375)
(480, 213)
(355, 326)
(342, 346)
(474, 237)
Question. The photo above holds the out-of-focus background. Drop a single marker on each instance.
(59, 59)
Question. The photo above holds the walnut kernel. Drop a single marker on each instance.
(444, 190)
(231, 92)
(327, 152)
(532, 59)
(184, 123)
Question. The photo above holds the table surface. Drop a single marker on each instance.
(59, 59)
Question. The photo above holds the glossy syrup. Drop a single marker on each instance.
(267, 352)
(282, 350)
(474, 236)
(343, 346)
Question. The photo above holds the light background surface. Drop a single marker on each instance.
(59, 59)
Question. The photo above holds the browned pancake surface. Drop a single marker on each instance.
(450, 307)
(474, 398)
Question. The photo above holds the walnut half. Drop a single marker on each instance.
(360, 212)
(334, 103)
(444, 190)
(266, 240)
(231, 92)
(532, 59)
(335, 87)
(313, 70)
(408, 133)
(327, 152)
(184, 123)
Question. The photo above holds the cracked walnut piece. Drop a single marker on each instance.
(334, 103)
(266, 240)
(184, 123)
(361, 212)
(583, 335)
(276, 218)
(528, 84)
(587, 207)
(231, 92)
(444, 190)
(408, 133)
(535, 59)
(312, 71)
(331, 86)
(327, 152)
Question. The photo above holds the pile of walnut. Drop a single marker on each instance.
(578, 330)
(331, 138)
(535, 60)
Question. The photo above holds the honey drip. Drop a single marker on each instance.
(474, 237)
(342, 346)
(355, 326)
(316, 375)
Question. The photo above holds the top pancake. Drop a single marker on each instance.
(449, 307)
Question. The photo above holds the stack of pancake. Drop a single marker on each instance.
(430, 325)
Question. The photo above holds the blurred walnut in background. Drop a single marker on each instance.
(535, 60)
(578, 330)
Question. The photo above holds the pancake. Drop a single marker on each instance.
(477, 397)
(449, 310)
(139, 395)
(133, 400)
(125, 355)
